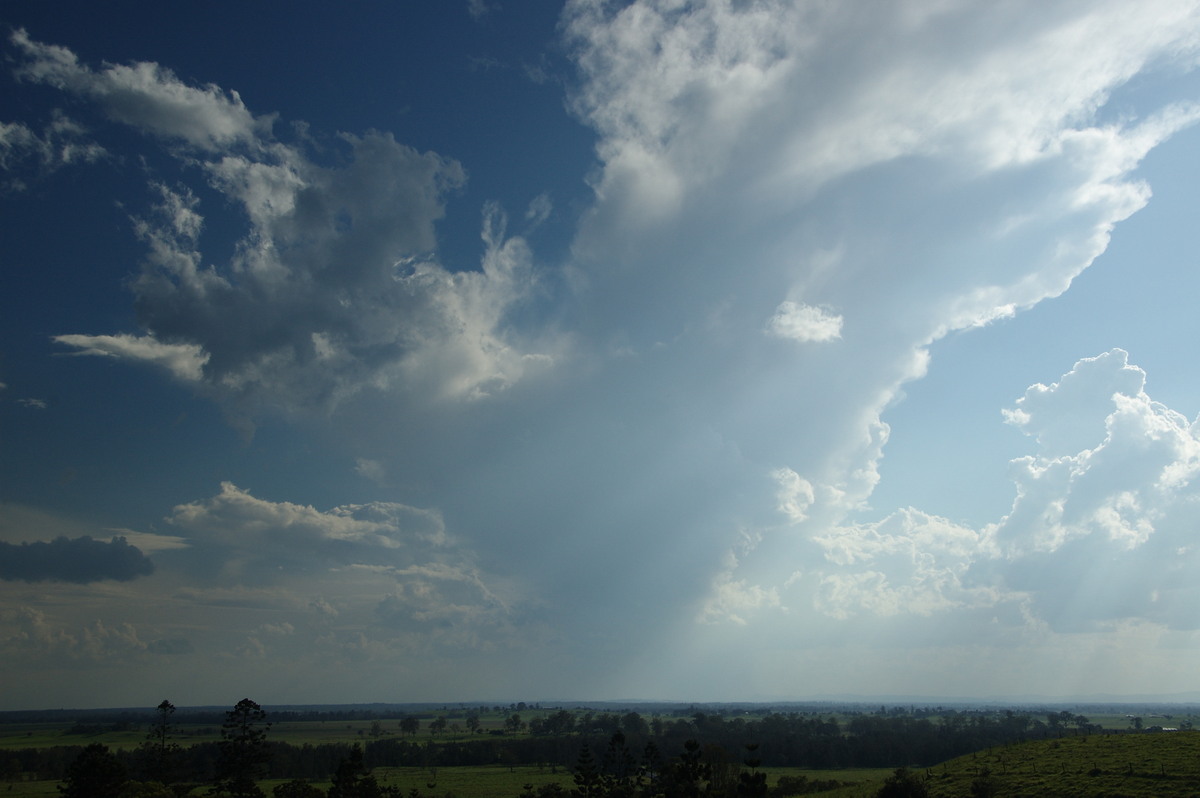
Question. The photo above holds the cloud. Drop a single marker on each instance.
(93, 643)
(254, 541)
(61, 142)
(792, 204)
(1099, 532)
(800, 322)
(334, 288)
(183, 361)
(146, 96)
(923, 170)
(172, 646)
(80, 560)
(370, 469)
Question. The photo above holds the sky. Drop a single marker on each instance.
(696, 350)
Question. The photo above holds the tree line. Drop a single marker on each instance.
(707, 751)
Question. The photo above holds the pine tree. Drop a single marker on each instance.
(244, 752)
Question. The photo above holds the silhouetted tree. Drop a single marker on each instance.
(297, 788)
(95, 773)
(159, 756)
(619, 768)
(587, 776)
(352, 779)
(146, 789)
(751, 782)
(903, 784)
(243, 750)
(410, 725)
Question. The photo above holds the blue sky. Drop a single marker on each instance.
(478, 350)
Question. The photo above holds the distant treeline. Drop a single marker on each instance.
(884, 739)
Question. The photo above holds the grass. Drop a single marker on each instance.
(1165, 763)
(493, 781)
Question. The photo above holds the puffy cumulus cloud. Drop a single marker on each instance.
(274, 536)
(80, 560)
(31, 632)
(1100, 532)
(910, 563)
(396, 559)
(334, 286)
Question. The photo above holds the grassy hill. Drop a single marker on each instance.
(1146, 764)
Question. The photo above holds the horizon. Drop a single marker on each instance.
(620, 348)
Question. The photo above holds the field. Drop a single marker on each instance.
(499, 782)
(1107, 762)
(1153, 764)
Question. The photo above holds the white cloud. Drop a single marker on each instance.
(1099, 532)
(184, 361)
(898, 174)
(62, 142)
(145, 95)
(800, 322)
(333, 288)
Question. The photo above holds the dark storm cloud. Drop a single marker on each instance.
(80, 560)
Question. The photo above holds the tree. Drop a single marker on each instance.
(145, 789)
(410, 725)
(158, 754)
(473, 721)
(587, 775)
(352, 779)
(243, 750)
(437, 725)
(903, 784)
(752, 783)
(297, 788)
(95, 773)
(514, 723)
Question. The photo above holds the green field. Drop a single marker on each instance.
(1109, 764)
(494, 782)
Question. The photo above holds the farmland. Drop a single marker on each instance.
(530, 750)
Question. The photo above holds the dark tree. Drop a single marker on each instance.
(297, 788)
(410, 725)
(352, 779)
(473, 721)
(159, 756)
(752, 783)
(243, 750)
(587, 775)
(903, 784)
(95, 773)
(619, 768)
(437, 725)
